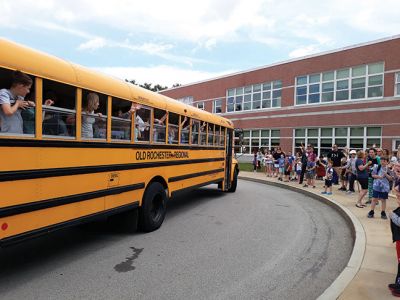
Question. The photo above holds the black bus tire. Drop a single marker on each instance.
(153, 209)
(232, 189)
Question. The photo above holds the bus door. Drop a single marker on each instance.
(228, 158)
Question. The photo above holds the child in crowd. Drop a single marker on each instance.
(298, 168)
(381, 175)
(328, 179)
(281, 163)
(395, 226)
(310, 173)
(288, 168)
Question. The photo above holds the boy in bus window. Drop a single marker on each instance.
(12, 103)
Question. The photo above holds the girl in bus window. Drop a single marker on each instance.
(88, 118)
(12, 103)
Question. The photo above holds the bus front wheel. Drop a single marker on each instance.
(152, 211)
(232, 189)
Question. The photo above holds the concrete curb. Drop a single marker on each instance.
(354, 264)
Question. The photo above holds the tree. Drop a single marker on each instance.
(148, 86)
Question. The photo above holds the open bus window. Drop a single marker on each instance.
(94, 115)
(173, 128)
(195, 132)
(217, 137)
(21, 121)
(203, 133)
(210, 134)
(159, 128)
(222, 138)
(121, 119)
(59, 110)
(185, 129)
(142, 123)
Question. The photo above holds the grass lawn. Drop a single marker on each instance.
(248, 167)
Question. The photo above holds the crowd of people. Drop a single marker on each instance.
(348, 169)
(374, 172)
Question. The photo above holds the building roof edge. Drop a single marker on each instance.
(381, 40)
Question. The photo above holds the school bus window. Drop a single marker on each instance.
(203, 133)
(195, 132)
(222, 139)
(217, 135)
(159, 128)
(94, 115)
(210, 134)
(142, 123)
(121, 119)
(185, 129)
(173, 128)
(59, 113)
(17, 88)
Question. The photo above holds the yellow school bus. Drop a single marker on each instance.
(93, 146)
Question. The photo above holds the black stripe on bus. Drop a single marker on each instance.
(193, 187)
(74, 144)
(82, 220)
(49, 203)
(44, 173)
(193, 175)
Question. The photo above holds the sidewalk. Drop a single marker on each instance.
(379, 264)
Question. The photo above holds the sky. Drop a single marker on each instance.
(183, 41)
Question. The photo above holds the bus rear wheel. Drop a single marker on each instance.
(153, 209)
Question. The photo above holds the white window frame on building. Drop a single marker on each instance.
(200, 105)
(254, 97)
(217, 106)
(352, 83)
(260, 138)
(397, 84)
(353, 138)
(187, 100)
(395, 145)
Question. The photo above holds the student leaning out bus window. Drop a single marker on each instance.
(12, 103)
(88, 115)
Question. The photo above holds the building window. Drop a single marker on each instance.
(397, 84)
(357, 138)
(259, 139)
(359, 82)
(200, 105)
(254, 97)
(187, 100)
(217, 107)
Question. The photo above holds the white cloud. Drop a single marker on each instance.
(304, 51)
(162, 74)
(93, 44)
(158, 27)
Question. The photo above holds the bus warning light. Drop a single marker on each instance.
(4, 226)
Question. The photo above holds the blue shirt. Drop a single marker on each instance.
(281, 162)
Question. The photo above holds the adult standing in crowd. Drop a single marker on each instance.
(375, 162)
(336, 155)
(303, 163)
(277, 155)
(362, 176)
(351, 171)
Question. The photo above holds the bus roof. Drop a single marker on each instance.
(18, 57)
